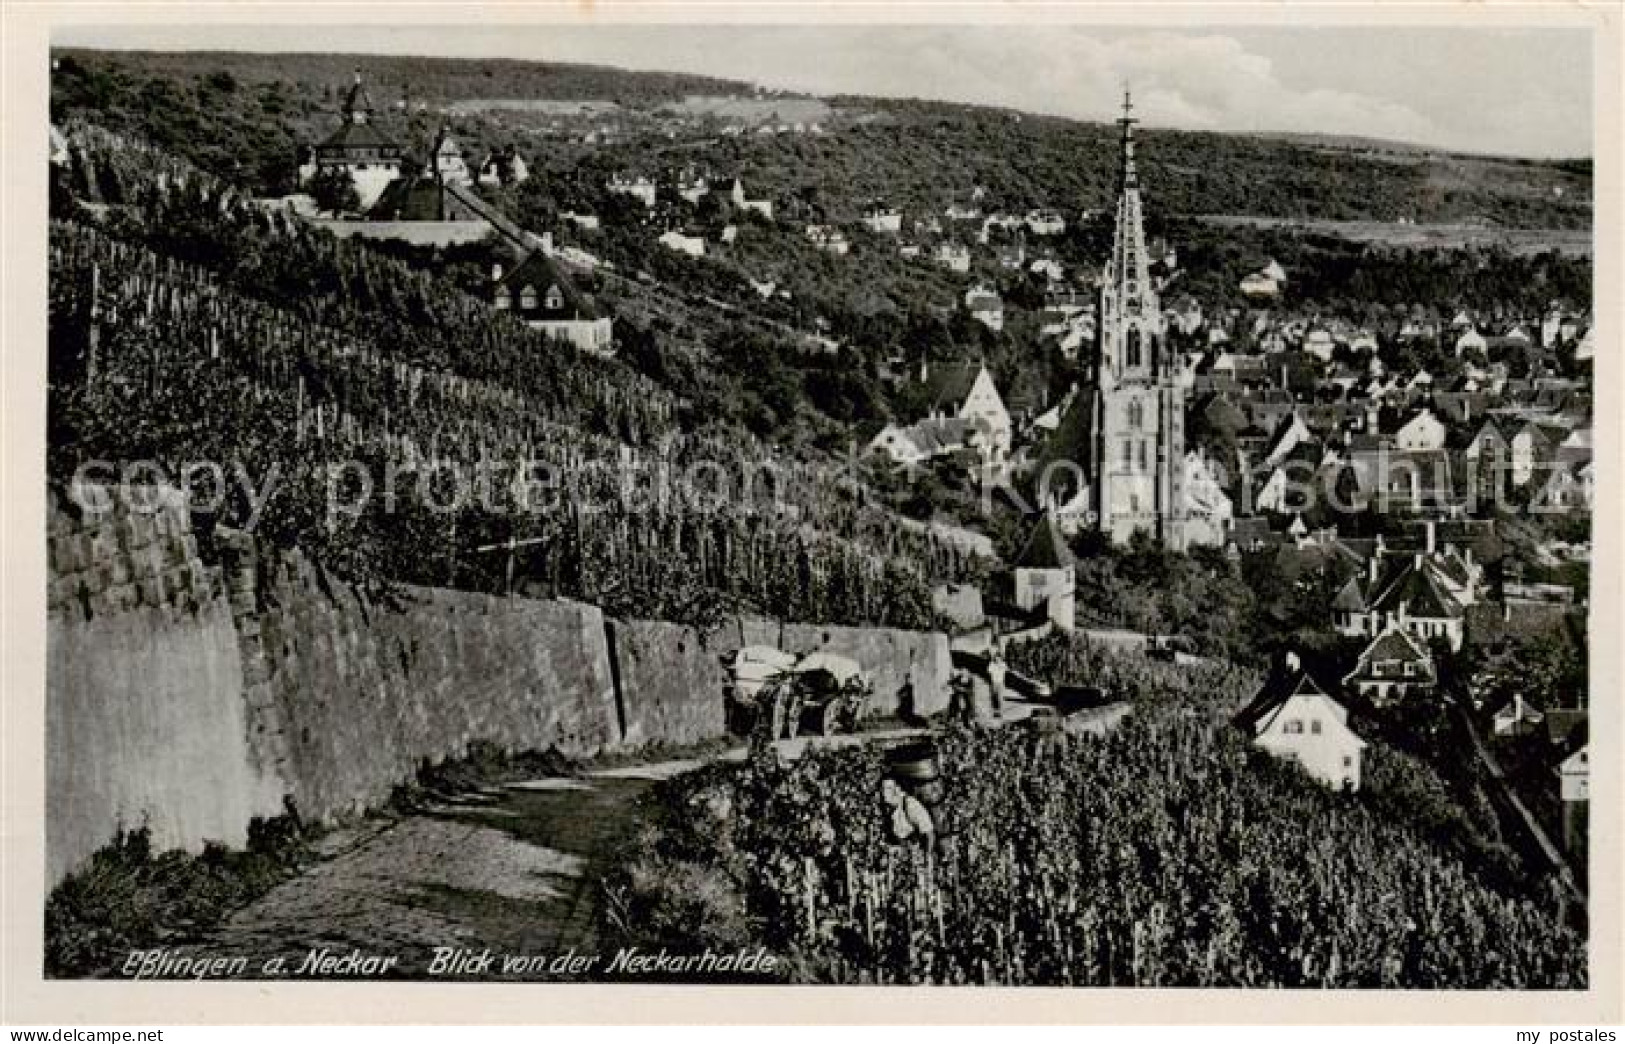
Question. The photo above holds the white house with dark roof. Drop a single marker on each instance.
(1425, 593)
(882, 218)
(358, 148)
(537, 292)
(446, 161)
(829, 239)
(1320, 344)
(1044, 576)
(1532, 447)
(1424, 431)
(637, 186)
(1292, 717)
(967, 413)
(1045, 222)
(1570, 484)
(977, 398)
(928, 439)
(503, 167)
(1392, 668)
(985, 306)
(1517, 717)
(1575, 773)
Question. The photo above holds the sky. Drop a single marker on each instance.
(1520, 92)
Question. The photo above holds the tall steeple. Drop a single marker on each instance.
(1138, 405)
(1127, 177)
(1128, 271)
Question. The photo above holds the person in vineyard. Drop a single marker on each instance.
(961, 698)
(910, 820)
(996, 671)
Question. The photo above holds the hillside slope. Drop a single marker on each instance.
(246, 114)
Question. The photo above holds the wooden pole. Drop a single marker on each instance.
(95, 321)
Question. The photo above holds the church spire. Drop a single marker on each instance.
(1129, 271)
(1127, 177)
(1137, 424)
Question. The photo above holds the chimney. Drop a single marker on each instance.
(1290, 661)
(496, 271)
(1371, 568)
(1431, 545)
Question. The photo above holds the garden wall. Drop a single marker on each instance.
(144, 720)
(418, 233)
(365, 693)
(196, 698)
(669, 680)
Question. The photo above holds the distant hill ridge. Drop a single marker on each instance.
(246, 114)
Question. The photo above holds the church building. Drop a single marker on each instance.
(1137, 404)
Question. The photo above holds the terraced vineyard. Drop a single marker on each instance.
(288, 352)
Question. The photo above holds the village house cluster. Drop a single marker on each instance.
(1254, 425)
(434, 199)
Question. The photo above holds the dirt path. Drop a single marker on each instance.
(515, 869)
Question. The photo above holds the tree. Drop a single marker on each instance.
(334, 191)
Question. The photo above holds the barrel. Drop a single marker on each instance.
(913, 763)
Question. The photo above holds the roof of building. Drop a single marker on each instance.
(1395, 643)
(1069, 442)
(1283, 684)
(1254, 529)
(948, 384)
(1350, 599)
(1223, 414)
(356, 98)
(937, 434)
(410, 199)
(539, 271)
(357, 136)
(1046, 549)
(1418, 591)
(1567, 728)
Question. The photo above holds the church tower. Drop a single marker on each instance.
(357, 105)
(1137, 411)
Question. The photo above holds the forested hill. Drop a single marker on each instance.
(244, 115)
